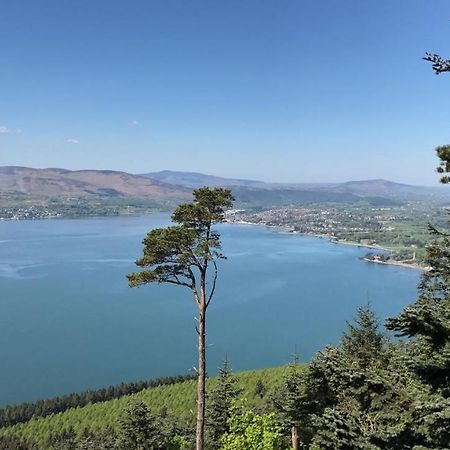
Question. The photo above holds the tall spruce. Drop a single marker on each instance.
(220, 401)
(137, 429)
(184, 255)
(289, 399)
(363, 339)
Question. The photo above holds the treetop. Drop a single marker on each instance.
(207, 208)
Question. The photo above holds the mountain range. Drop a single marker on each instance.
(364, 187)
(24, 184)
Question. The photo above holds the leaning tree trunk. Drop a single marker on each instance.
(200, 431)
(294, 437)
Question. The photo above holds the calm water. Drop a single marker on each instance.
(68, 320)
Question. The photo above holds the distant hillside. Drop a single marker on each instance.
(253, 193)
(195, 180)
(25, 182)
(105, 192)
(364, 188)
(282, 197)
(383, 188)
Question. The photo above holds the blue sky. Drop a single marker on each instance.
(279, 90)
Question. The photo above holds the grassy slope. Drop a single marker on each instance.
(178, 399)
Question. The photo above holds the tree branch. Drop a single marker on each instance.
(214, 284)
(177, 282)
(193, 286)
(197, 261)
(439, 64)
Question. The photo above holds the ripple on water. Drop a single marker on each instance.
(21, 271)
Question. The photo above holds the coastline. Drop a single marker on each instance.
(279, 228)
(396, 263)
(285, 229)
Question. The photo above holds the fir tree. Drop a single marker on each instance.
(337, 431)
(363, 340)
(260, 389)
(289, 401)
(220, 401)
(137, 429)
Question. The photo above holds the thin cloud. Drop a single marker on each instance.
(134, 123)
(5, 130)
(72, 141)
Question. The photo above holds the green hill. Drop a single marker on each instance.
(177, 399)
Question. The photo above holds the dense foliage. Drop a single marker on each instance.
(250, 431)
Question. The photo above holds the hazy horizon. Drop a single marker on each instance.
(311, 91)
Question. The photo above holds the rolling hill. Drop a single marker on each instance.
(345, 191)
(194, 179)
(42, 184)
(24, 186)
(385, 188)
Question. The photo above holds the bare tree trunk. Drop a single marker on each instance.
(201, 389)
(200, 431)
(294, 437)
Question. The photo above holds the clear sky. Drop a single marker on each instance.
(279, 90)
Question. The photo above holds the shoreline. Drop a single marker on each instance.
(332, 240)
(280, 228)
(397, 263)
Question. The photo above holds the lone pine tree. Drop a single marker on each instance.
(186, 255)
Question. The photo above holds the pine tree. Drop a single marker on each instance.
(337, 431)
(220, 401)
(260, 389)
(363, 340)
(184, 255)
(137, 429)
(289, 400)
